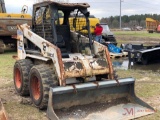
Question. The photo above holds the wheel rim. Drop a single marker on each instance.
(18, 80)
(35, 86)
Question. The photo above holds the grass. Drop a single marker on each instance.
(137, 37)
(147, 82)
(137, 34)
(146, 88)
(6, 65)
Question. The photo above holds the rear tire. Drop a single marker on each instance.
(41, 78)
(21, 72)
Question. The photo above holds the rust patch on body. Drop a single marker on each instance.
(62, 77)
(109, 64)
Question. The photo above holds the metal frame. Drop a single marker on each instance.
(52, 52)
(103, 91)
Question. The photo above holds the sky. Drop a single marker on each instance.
(99, 8)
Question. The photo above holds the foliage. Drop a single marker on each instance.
(129, 21)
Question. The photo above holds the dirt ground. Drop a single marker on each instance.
(17, 107)
(138, 40)
(21, 108)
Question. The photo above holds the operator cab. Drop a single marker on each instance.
(52, 22)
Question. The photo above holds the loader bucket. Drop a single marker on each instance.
(3, 115)
(103, 100)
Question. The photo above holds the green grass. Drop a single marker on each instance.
(147, 90)
(6, 65)
(139, 74)
(146, 81)
(137, 34)
(137, 37)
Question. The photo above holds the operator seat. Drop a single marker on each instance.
(63, 39)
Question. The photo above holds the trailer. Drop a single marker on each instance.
(138, 53)
(152, 25)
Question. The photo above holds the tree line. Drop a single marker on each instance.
(129, 21)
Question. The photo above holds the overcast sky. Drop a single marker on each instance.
(99, 8)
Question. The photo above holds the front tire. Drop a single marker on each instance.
(21, 72)
(41, 78)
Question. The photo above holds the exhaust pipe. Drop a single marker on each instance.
(128, 105)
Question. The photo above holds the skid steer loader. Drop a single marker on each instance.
(60, 68)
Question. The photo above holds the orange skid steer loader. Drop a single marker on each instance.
(60, 68)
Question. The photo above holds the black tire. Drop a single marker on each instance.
(41, 78)
(21, 72)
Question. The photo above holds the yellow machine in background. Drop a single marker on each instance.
(152, 25)
(8, 26)
(80, 26)
(12, 15)
(81, 22)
